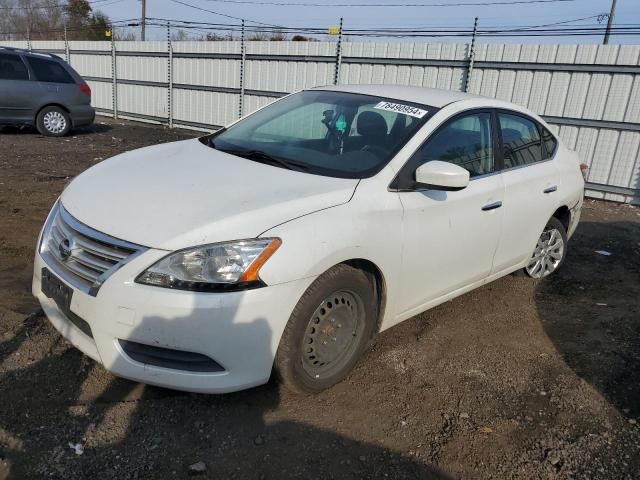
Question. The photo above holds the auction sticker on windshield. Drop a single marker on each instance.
(400, 108)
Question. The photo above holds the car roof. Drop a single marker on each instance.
(28, 53)
(433, 97)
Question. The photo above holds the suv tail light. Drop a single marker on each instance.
(584, 169)
(86, 89)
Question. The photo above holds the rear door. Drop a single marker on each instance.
(16, 90)
(450, 237)
(55, 83)
(531, 184)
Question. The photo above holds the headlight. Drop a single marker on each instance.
(215, 267)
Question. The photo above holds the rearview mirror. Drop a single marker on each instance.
(438, 175)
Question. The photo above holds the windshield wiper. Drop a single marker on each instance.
(264, 157)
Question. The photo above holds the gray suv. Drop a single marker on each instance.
(41, 89)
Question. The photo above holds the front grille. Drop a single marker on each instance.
(83, 257)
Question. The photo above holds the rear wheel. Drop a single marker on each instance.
(549, 252)
(329, 329)
(53, 122)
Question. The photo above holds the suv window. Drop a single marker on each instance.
(465, 141)
(49, 71)
(12, 68)
(520, 139)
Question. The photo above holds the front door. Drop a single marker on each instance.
(16, 91)
(449, 238)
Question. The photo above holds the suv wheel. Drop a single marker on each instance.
(329, 329)
(53, 122)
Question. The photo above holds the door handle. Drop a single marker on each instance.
(492, 206)
(550, 189)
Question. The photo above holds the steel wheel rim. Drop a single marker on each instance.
(54, 122)
(331, 336)
(547, 254)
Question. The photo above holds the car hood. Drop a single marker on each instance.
(183, 194)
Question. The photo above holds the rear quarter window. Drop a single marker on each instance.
(549, 141)
(49, 71)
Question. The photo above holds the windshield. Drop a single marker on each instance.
(328, 133)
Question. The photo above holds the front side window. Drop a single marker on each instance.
(521, 140)
(12, 68)
(465, 141)
(49, 71)
(337, 134)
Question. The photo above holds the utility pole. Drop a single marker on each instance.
(143, 19)
(609, 22)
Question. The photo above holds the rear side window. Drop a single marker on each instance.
(49, 71)
(549, 141)
(12, 68)
(520, 139)
(465, 141)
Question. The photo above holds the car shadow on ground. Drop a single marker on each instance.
(99, 127)
(233, 434)
(594, 322)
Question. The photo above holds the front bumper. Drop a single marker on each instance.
(239, 330)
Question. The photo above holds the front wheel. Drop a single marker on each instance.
(53, 122)
(329, 329)
(549, 252)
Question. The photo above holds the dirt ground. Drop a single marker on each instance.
(519, 379)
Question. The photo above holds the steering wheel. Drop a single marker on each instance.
(377, 150)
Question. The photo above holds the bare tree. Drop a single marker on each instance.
(46, 19)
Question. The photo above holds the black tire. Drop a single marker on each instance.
(292, 364)
(556, 224)
(53, 122)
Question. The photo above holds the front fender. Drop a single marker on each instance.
(369, 227)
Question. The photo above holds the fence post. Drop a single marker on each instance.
(336, 74)
(242, 60)
(67, 51)
(467, 81)
(169, 76)
(114, 76)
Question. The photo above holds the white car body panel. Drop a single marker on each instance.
(437, 222)
(429, 246)
(221, 197)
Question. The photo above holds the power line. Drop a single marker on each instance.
(540, 32)
(413, 28)
(561, 32)
(219, 14)
(448, 4)
(492, 29)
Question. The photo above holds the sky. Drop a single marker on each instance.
(627, 12)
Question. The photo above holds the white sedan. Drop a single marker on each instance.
(286, 241)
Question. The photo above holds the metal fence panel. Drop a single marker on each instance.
(589, 93)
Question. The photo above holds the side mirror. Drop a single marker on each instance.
(438, 175)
